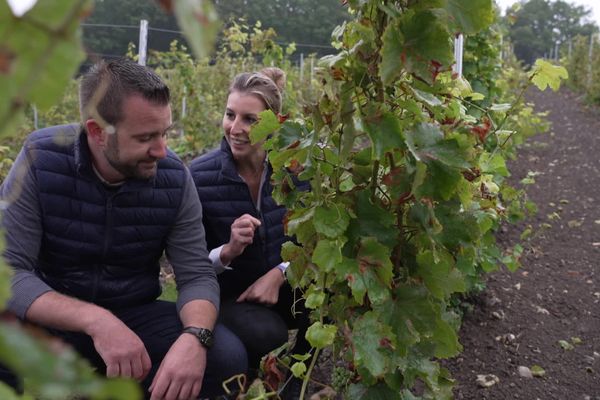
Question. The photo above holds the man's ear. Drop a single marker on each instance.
(95, 132)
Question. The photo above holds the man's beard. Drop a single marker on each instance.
(128, 170)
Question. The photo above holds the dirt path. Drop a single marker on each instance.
(522, 317)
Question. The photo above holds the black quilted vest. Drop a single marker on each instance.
(225, 197)
(99, 244)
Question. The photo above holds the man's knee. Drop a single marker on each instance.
(228, 355)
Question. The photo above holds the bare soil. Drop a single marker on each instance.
(545, 314)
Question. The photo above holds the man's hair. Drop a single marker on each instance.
(105, 86)
(267, 84)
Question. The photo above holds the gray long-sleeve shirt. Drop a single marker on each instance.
(22, 221)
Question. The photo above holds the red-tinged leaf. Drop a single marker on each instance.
(273, 375)
(282, 118)
(392, 177)
(166, 5)
(7, 59)
(482, 130)
(295, 167)
(293, 145)
(386, 343)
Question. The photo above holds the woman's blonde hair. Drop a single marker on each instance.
(267, 84)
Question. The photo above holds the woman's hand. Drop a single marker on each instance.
(266, 288)
(242, 234)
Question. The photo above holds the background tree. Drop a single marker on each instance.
(306, 22)
(107, 41)
(540, 25)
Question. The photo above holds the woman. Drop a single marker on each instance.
(244, 225)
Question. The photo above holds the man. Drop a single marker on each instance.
(91, 210)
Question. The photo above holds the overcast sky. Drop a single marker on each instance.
(21, 6)
(593, 4)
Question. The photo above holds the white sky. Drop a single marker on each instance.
(593, 4)
(19, 7)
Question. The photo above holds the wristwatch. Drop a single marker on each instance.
(204, 336)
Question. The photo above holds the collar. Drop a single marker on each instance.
(228, 167)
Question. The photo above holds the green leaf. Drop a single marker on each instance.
(379, 391)
(376, 257)
(471, 16)
(200, 24)
(427, 44)
(372, 220)
(440, 276)
(446, 340)
(327, 254)
(374, 344)
(426, 142)
(266, 125)
(412, 316)
(385, 132)
(41, 52)
(321, 335)
(314, 297)
(298, 369)
(350, 270)
(427, 98)
(58, 376)
(544, 74)
(391, 54)
(331, 221)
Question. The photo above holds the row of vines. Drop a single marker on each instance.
(582, 63)
(406, 160)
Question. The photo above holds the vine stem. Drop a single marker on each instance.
(306, 379)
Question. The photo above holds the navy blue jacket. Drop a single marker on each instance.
(100, 244)
(225, 197)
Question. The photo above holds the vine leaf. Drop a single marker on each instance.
(266, 125)
(331, 221)
(327, 254)
(426, 45)
(41, 52)
(374, 343)
(439, 275)
(200, 24)
(471, 16)
(372, 220)
(385, 132)
(61, 375)
(426, 143)
(544, 74)
(321, 335)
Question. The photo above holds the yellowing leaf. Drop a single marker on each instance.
(545, 74)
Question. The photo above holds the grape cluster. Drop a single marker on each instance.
(340, 377)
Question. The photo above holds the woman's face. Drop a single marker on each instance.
(241, 112)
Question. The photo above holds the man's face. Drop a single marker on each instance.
(140, 139)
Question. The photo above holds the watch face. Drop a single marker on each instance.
(204, 336)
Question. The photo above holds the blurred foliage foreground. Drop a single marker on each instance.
(406, 160)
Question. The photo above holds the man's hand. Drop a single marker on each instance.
(242, 234)
(121, 349)
(181, 372)
(266, 288)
